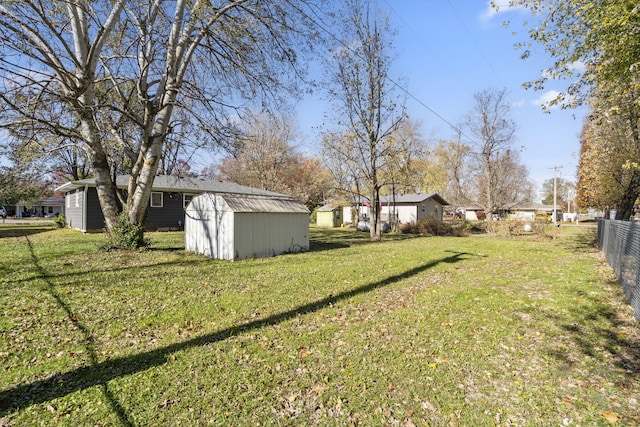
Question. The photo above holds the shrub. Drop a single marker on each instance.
(126, 235)
(60, 221)
(429, 227)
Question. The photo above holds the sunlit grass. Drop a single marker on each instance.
(409, 331)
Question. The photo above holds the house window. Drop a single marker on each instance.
(156, 200)
(77, 198)
(187, 199)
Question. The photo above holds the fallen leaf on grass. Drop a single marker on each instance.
(304, 352)
(610, 416)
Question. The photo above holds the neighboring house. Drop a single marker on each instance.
(169, 198)
(472, 213)
(409, 208)
(48, 208)
(238, 226)
(527, 211)
(329, 216)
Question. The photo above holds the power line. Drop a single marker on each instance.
(475, 43)
(395, 83)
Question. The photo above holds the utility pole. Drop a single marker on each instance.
(555, 178)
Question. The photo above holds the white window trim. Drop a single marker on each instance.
(161, 199)
(184, 199)
(77, 198)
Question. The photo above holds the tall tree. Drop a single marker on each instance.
(563, 191)
(109, 64)
(591, 43)
(407, 164)
(608, 173)
(491, 134)
(597, 46)
(341, 159)
(20, 185)
(368, 109)
(264, 156)
(452, 159)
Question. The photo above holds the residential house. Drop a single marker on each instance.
(169, 198)
(409, 208)
(46, 208)
(527, 211)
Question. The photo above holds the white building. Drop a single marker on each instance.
(409, 208)
(238, 226)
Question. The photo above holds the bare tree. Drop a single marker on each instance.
(363, 93)
(341, 156)
(264, 156)
(106, 65)
(491, 134)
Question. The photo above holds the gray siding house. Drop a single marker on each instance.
(169, 199)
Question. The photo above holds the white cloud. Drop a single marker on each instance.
(545, 99)
(495, 7)
(578, 66)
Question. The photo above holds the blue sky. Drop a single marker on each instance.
(448, 50)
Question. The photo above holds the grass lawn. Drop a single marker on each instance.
(438, 331)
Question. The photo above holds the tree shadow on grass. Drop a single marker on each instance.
(583, 239)
(325, 239)
(603, 332)
(23, 231)
(100, 373)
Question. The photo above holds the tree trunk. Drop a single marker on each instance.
(374, 220)
(105, 187)
(625, 208)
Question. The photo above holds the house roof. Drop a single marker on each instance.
(177, 184)
(259, 203)
(327, 208)
(413, 198)
(52, 201)
(533, 207)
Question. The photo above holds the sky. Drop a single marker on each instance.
(448, 50)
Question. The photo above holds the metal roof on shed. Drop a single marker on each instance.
(253, 203)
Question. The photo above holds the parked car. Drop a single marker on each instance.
(3, 212)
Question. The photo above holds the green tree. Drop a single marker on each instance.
(563, 191)
(597, 46)
(18, 185)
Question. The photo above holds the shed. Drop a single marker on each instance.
(238, 226)
(328, 216)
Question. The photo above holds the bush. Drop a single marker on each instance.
(126, 235)
(430, 227)
(60, 221)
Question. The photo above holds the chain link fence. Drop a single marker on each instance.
(620, 242)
